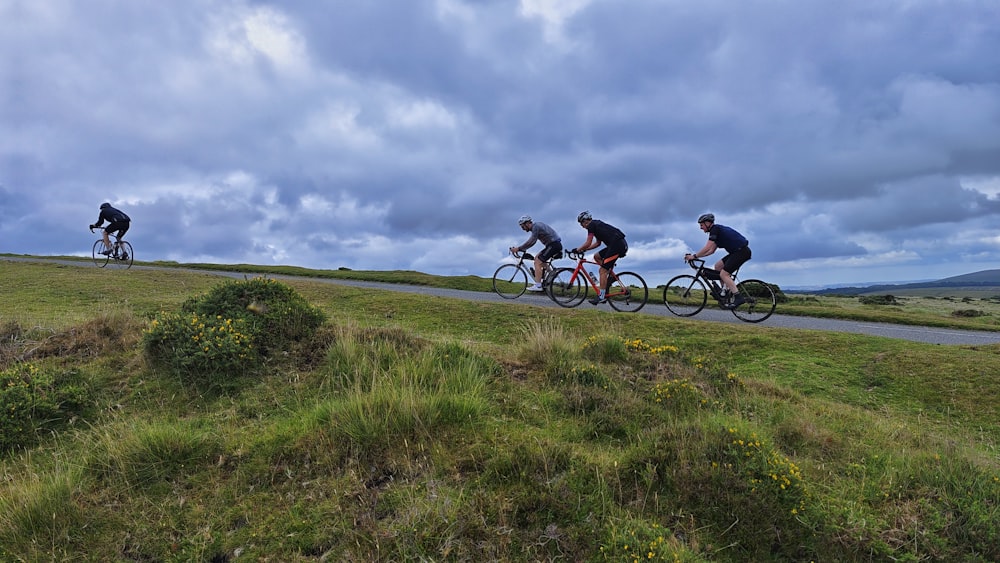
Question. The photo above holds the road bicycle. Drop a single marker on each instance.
(121, 254)
(568, 287)
(510, 281)
(686, 295)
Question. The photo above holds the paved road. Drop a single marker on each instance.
(927, 335)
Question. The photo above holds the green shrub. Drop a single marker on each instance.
(879, 300)
(274, 313)
(34, 399)
(968, 313)
(229, 330)
(607, 349)
(200, 348)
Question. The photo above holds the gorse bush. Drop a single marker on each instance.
(275, 315)
(228, 331)
(34, 399)
(189, 345)
(879, 300)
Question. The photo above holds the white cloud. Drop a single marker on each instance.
(986, 185)
(853, 138)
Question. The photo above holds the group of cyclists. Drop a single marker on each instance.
(598, 232)
(615, 246)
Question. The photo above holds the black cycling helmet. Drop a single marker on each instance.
(706, 217)
(583, 216)
(105, 205)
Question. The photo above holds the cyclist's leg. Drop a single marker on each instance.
(106, 235)
(543, 258)
(607, 257)
(118, 230)
(729, 264)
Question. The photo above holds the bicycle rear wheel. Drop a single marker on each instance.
(510, 281)
(100, 260)
(685, 295)
(760, 301)
(563, 291)
(123, 255)
(628, 292)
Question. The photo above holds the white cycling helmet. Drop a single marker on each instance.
(584, 216)
(524, 219)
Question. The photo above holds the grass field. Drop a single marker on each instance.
(424, 428)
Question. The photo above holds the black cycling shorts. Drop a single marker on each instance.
(737, 258)
(120, 228)
(611, 253)
(551, 250)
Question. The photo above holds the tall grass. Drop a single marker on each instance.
(449, 430)
(39, 518)
(389, 387)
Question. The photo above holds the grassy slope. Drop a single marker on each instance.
(567, 456)
(929, 307)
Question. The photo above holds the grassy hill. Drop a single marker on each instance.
(419, 428)
(985, 283)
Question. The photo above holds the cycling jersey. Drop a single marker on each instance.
(727, 238)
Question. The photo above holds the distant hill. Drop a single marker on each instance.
(983, 281)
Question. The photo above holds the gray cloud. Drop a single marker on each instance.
(845, 139)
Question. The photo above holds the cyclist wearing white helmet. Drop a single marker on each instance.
(539, 232)
(735, 244)
(118, 224)
(614, 248)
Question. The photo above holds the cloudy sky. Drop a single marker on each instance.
(850, 140)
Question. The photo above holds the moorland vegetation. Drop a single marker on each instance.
(155, 415)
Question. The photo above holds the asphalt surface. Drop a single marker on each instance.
(928, 335)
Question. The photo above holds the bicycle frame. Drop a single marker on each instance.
(686, 295)
(511, 280)
(580, 261)
(626, 291)
(118, 252)
(712, 278)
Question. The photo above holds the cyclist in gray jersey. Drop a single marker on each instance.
(730, 240)
(548, 236)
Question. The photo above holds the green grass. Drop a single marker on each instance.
(423, 428)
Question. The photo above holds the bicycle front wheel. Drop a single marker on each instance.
(760, 301)
(628, 292)
(100, 260)
(685, 295)
(123, 256)
(510, 281)
(564, 289)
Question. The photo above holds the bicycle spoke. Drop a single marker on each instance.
(566, 290)
(685, 295)
(510, 281)
(123, 255)
(760, 301)
(100, 259)
(628, 292)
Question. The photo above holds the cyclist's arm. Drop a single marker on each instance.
(707, 250)
(528, 243)
(591, 243)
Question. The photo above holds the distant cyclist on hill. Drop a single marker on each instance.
(614, 248)
(548, 236)
(118, 224)
(737, 246)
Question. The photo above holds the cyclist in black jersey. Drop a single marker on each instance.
(118, 224)
(730, 240)
(598, 233)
